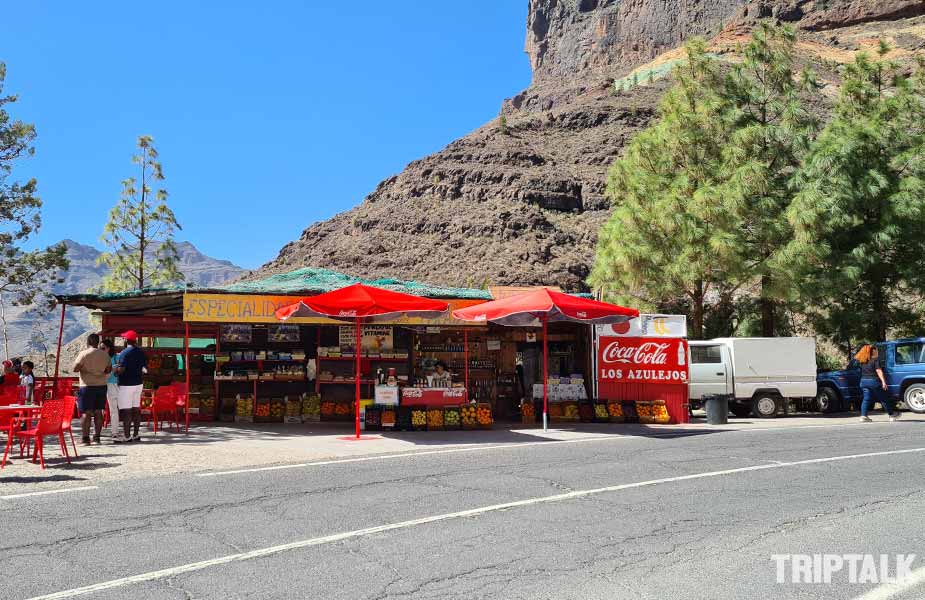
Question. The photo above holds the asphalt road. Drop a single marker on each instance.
(693, 516)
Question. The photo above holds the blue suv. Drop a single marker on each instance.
(903, 364)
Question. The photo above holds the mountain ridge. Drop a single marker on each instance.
(520, 203)
(85, 274)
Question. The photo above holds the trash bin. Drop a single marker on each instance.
(717, 407)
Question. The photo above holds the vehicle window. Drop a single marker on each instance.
(706, 354)
(910, 354)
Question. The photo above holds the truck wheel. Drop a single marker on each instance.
(740, 410)
(914, 397)
(827, 400)
(764, 406)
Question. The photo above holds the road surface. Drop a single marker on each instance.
(683, 515)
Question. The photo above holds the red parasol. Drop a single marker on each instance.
(540, 307)
(363, 304)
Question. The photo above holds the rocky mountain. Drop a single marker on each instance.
(83, 275)
(520, 202)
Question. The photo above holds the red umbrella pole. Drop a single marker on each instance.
(356, 406)
(545, 377)
(186, 366)
(466, 359)
(58, 353)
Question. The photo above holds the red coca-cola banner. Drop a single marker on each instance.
(642, 360)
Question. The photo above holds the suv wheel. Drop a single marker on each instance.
(914, 397)
(764, 406)
(827, 400)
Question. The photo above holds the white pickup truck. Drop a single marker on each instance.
(764, 376)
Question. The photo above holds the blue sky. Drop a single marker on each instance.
(268, 115)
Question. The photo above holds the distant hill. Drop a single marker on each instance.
(85, 274)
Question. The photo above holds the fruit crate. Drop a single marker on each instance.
(586, 412)
(262, 411)
(419, 418)
(373, 420)
(452, 419)
(652, 412)
(615, 410)
(527, 413)
(435, 418)
(468, 416)
(327, 411)
(483, 416)
(403, 418)
(389, 416)
(601, 412)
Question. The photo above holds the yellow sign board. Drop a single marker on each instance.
(254, 308)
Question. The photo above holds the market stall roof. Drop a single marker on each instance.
(305, 281)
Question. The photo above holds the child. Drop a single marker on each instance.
(27, 382)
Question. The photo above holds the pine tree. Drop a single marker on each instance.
(26, 277)
(860, 214)
(666, 230)
(771, 131)
(140, 230)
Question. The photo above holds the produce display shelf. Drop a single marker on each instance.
(345, 381)
(353, 358)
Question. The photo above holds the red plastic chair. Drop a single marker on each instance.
(67, 418)
(49, 424)
(6, 424)
(182, 399)
(164, 407)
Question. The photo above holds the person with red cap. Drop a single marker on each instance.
(9, 376)
(130, 367)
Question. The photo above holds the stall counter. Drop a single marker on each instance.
(434, 396)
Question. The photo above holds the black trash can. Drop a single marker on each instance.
(717, 407)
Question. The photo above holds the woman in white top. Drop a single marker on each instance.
(442, 377)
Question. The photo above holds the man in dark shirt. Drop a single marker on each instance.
(130, 369)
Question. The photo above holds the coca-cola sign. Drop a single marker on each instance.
(642, 360)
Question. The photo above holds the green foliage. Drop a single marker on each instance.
(140, 230)
(662, 240)
(26, 277)
(860, 213)
(502, 125)
(770, 133)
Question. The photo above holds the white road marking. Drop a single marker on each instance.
(47, 492)
(890, 590)
(358, 533)
(598, 438)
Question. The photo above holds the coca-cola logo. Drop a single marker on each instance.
(647, 353)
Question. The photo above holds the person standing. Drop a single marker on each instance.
(93, 367)
(27, 382)
(130, 366)
(873, 384)
(112, 391)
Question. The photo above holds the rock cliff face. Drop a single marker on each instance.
(522, 204)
